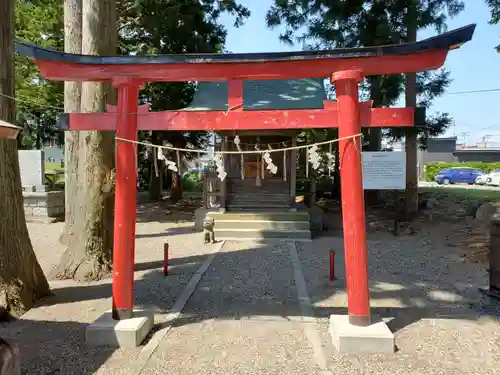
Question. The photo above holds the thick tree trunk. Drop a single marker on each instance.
(72, 100)
(89, 256)
(22, 281)
(176, 190)
(411, 191)
(156, 182)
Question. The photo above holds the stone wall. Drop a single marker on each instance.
(45, 204)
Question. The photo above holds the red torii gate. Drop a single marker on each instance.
(345, 67)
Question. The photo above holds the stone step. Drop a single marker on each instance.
(259, 196)
(249, 205)
(262, 225)
(261, 215)
(284, 205)
(258, 234)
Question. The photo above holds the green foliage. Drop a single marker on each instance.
(431, 169)
(40, 22)
(495, 14)
(354, 23)
(192, 182)
(152, 27)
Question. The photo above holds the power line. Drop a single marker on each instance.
(472, 91)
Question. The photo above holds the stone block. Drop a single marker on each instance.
(127, 333)
(199, 216)
(316, 218)
(32, 167)
(350, 339)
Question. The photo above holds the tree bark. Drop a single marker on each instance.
(156, 182)
(72, 101)
(22, 281)
(411, 191)
(89, 257)
(176, 188)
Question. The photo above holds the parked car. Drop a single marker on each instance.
(457, 176)
(481, 180)
(493, 178)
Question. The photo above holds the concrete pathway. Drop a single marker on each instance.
(244, 318)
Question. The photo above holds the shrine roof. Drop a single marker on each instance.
(261, 95)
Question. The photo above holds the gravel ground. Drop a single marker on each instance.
(238, 319)
(51, 336)
(245, 318)
(443, 325)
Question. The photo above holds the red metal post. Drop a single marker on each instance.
(353, 207)
(125, 198)
(165, 259)
(332, 265)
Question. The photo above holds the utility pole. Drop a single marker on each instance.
(464, 137)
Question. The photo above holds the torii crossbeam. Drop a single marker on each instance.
(345, 67)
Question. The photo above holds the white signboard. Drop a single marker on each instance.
(384, 170)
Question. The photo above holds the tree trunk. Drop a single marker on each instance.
(155, 182)
(375, 135)
(22, 281)
(72, 100)
(411, 191)
(176, 189)
(90, 256)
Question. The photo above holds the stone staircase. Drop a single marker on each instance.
(245, 196)
(281, 226)
(260, 213)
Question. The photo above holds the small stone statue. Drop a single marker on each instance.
(208, 229)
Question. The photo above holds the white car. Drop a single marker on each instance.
(481, 180)
(493, 178)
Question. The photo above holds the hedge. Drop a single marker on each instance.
(431, 169)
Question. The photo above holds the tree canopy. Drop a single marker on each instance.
(355, 23)
(495, 14)
(39, 101)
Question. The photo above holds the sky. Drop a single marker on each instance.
(475, 66)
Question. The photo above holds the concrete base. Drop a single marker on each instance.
(376, 338)
(127, 333)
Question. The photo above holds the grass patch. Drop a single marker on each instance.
(53, 166)
(480, 194)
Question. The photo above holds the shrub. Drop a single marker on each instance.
(433, 168)
(192, 182)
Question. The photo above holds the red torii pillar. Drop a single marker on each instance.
(125, 198)
(353, 205)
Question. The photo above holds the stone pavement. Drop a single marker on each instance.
(263, 309)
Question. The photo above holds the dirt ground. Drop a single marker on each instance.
(248, 313)
(449, 219)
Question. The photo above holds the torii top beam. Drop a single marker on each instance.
(390, 59)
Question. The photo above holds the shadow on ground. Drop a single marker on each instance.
(165, 211)
(59, 347)
(419, 289)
